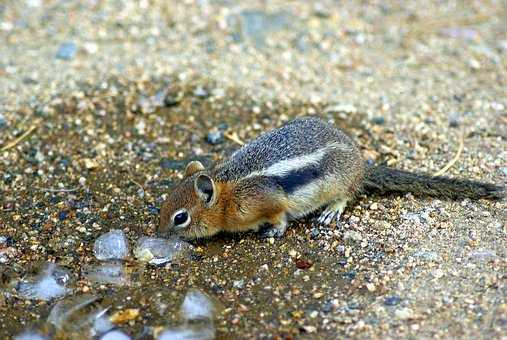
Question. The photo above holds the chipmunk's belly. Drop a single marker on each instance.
(313, 196)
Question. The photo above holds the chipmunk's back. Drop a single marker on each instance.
(297, 140)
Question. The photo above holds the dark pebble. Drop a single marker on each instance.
(215, 137)
(65, 162)
(217, 289)
(8, 206)
(173, 164)
(223, 126)
(328, 307)
(173, 98)
(3, 122)
(7, 178)
(66, 51)
(315, 233)
(303, 264)
(165, 183)
(351, 275)
(392, 301)
(454, 120)
(7, 240)
(153, 210)
(378, 120)
(62, 215)
(196, 257)
(354, 305)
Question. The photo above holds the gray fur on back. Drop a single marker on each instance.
(302, 136)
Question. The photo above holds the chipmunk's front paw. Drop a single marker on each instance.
(276, 231)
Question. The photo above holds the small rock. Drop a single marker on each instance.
(374, 206)
(91, 47)
(172, 164)
(438, 273)
(238, 284)
(215, 137)
(427, 255)
(392, 300)
(371, 287)
(482, 255)
(345, 108)
(66, 51)
(379, 120)
(454, 119)
(353, 235)
(62, 215)
(404, 314)
(303, 264)
(90, 164)
(124, 316)
(200, 92)
(3, 122)
(111, 246)
(464, 33)
(309, 329)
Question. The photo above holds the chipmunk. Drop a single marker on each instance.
(288, 173)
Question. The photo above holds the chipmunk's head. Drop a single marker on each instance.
(192, 211)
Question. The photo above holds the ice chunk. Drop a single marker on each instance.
(81, 314)
(189, 332)
(109, 272)
(160, 250)
(49, 284)
(115, 335)
(112, 245)
(30, 335)
(197, 306)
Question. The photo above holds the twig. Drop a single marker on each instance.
(19, 139)
(452, 161)
(138, 184)
(58, 190)
(234, 137)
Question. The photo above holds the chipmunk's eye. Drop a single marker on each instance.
(181, 218)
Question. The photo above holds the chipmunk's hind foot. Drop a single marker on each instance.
(332, 212)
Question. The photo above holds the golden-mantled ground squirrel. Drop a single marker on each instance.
(286, 174)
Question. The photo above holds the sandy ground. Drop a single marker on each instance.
(102, 104)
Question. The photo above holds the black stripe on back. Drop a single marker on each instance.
(298, 178)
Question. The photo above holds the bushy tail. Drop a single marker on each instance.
(381, 179)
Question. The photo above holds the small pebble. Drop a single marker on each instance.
(379, 120)
(215, 137)
(66, 51)
(392, 301)
(3, 122)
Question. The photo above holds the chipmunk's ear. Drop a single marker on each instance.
(205, 189)
(193, 167)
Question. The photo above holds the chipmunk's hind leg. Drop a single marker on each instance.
(333, 211)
